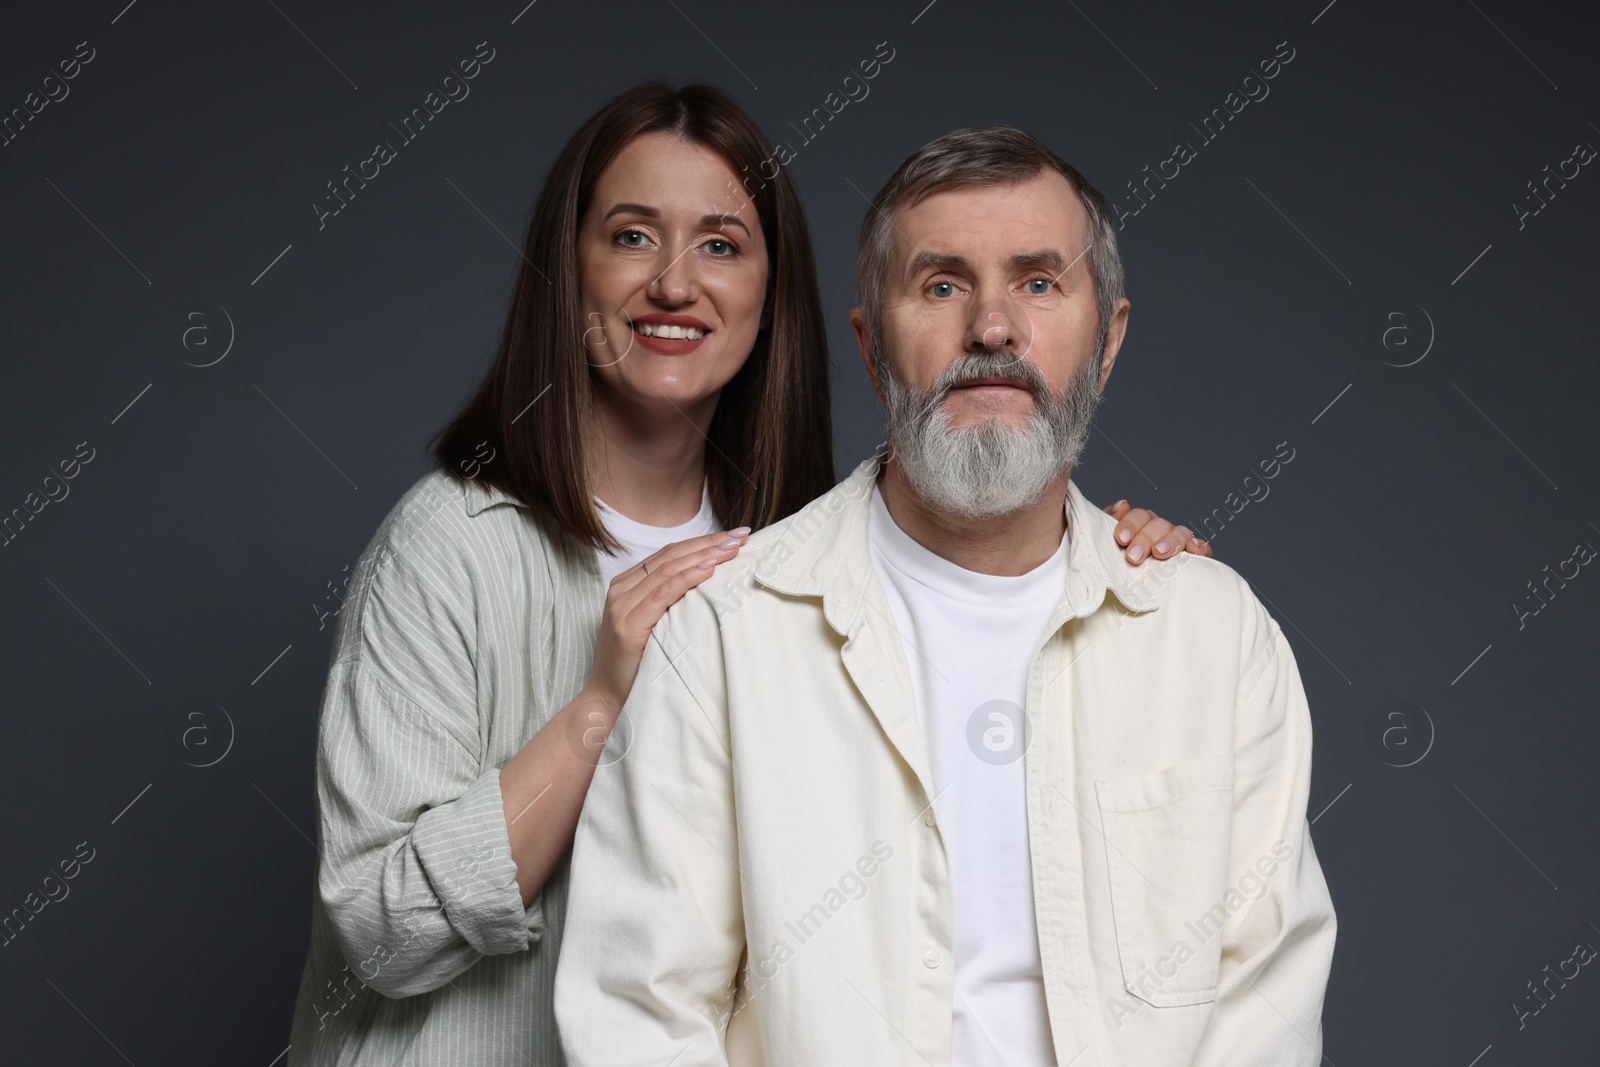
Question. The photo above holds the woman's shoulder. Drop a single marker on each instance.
(460, 519)
(447, 548)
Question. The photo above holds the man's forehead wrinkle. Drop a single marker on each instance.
(1030, 236)
(1007, 213)
(983, 207)
(937, 245)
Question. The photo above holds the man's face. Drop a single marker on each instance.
(988, 366)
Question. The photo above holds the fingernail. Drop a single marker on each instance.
(1123, 535)
(1118, 504)
(731, 542)
(740, 532)
(1136, 553)
(1163, 546)
(706, 563)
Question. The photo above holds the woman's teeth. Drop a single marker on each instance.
(671, 333)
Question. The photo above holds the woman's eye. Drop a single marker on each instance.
(942, 289)
(720, 248)
(1038, 286)
(631, 239)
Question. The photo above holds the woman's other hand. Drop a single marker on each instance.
(637, 599)
(1142, 534)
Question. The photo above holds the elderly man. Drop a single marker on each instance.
(932, 776)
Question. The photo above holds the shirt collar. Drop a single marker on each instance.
(822, 550)
(476, 496)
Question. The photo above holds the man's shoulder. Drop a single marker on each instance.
(737, 581)
(738, 592)
(1199, 596)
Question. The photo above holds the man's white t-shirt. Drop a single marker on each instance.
(639, 540)
(969, 643)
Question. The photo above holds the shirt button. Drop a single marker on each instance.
(928, 818)
(930, 959)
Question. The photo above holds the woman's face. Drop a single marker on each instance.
(672, 273)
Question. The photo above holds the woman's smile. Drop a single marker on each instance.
(670, 335)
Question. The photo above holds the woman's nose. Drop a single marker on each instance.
(676, 283)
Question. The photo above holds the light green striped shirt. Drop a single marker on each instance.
(469, 623)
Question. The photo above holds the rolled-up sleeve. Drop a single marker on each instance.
(1277, 950)
(655, 926)
(416, 873)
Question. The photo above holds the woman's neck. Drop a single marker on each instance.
(650, 461)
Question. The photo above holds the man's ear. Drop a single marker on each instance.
(1114, 336)
(858, 326)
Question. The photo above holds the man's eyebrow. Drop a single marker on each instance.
(715, 220)
(1043, 259)
(935, 261)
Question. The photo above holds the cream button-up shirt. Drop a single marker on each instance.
(759, 877)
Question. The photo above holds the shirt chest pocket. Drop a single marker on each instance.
(1167, 837)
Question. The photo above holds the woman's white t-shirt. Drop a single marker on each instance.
(639, 540)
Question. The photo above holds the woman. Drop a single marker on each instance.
(661, 388)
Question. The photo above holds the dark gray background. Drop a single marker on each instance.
(169, 606)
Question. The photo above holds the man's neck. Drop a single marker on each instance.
(1009, 544)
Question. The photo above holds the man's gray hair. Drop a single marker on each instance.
(979, 155)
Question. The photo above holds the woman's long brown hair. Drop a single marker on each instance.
(770, 446)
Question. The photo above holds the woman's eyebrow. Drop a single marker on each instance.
(724, 219)
(714, 220)
(633, 209)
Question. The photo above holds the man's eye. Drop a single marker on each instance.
(720, 248)
(1038, 286)
(941, 289)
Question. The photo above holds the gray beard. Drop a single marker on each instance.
(992, 467)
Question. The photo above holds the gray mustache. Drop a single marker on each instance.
(990, 365)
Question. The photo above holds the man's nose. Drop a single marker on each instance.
(998, 324)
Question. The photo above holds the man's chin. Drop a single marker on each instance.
(1015, 417)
